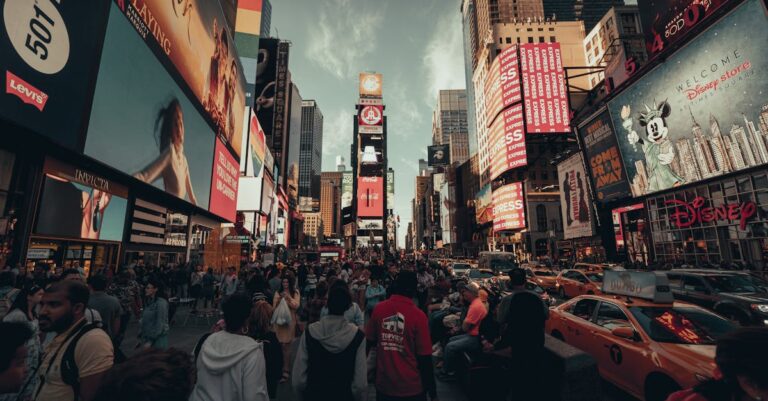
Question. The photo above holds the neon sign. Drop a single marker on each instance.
(688, 214)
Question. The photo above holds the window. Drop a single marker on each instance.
(509, 40)
(584, 309)
(541, 217)
(552, 39)
(694, 284)
(530, 39)
(674, 281)
(611, 316)
(541, 39)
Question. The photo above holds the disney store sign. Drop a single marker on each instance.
(687, 214)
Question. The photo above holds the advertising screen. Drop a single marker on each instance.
(502, 84)
(154, 224)
(390, 190)
(666, 21)
(347, 190)
(699, 114)
(484, 205)
(193, 36)
(258, 147)
(544, 91)
(224, 185)
(603, 158)
(507, 142)
(80, 204)
(509, 207)
(439, 155)
(574, 198)
(163, 140)
(370, 197)
(264, 92)
(267, 195)
(48, 54)
(370, 119)
(370, 85)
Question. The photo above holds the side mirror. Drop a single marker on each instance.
(624, 332)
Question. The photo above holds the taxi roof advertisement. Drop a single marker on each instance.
(509, 207)
(574, 197)
(698, 115)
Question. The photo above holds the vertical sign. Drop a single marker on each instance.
(281, 101)
(603, 158)
(390, 189)
(574, 198)
(502, 85)
(544, 91)
(226, 172)
(509, 207)
(507, 141)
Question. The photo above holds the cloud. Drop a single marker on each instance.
(337, 134)
(345, 34)
(402, 110)
(444, 58)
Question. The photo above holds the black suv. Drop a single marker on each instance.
(737, 296)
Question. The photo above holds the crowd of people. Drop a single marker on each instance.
(326, 329)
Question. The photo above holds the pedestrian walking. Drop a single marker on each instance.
(24, 310)
(332, 342)
(229, 283)
(13, 357)
(315, 306)
(151, 375)
(230, 364)
(196, 285)
(353, 314)
(209, 287)
(261, 330)
(374, 294)
(77, 344)
(128, 292)
(286, 329)
(399, 335)
(742, 361)
(153, 327)
(107, 305)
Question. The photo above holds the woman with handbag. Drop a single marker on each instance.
(286, 302)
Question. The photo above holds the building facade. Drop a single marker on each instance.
(311, 153)
(614, 40)
(589, 11)
(330, 203)
(449, 124)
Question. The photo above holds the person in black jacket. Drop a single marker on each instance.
(261, 330)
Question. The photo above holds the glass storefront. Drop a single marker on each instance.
(724, 222)
(66, 254)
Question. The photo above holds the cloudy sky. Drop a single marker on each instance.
(416, 44)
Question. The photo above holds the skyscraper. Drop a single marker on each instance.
(589, 11)
(266, 18)
(469, 27)
(719, 149)
(745, 144)
(734, 150)
(761, 153)
(311, 149)
(449, 124)
(688, 163)
(330, 203)
(764, 119)
(703, 152)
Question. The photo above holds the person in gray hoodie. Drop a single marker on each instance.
(230, 364)
(331, 361)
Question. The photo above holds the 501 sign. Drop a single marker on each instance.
(38, 33)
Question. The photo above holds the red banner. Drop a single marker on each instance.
(544, 88)
(507, 142)
(226, 172)
(371, 115)
(370, 197)
(502, 86)
(509, 207)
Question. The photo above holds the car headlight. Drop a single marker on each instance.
(760, 307)
(702, 378)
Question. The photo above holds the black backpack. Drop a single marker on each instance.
(70, 373)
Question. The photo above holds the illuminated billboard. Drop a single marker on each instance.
(484, 205)
(703, 112)
(603, 158)
(370, 197)
(502, 84)
(509, 207)
(370, 119)
(544, 89)
(666, 21)
(507, 142)
(574, 198)
(370, 85)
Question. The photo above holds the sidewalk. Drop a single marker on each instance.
(185, 337)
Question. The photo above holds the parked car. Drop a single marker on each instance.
(460, 269)
(734, 295)
(571, 283)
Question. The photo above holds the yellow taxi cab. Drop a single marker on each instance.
(571, 283)
(643, 341)
(544, 277)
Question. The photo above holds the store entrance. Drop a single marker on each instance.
(155, 259)
(91, 256)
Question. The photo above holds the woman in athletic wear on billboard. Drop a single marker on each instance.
(171, 165)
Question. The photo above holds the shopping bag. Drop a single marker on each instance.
(282, 314)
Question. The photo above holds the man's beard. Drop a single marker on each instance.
(61, 325)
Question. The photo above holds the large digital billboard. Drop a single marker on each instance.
(699, 114)
(48, 54)
(604, 163)
(370, 119)
(80, 204)
(574, 198)
(666, 21)
(224, 184)
(509, 207)
(143, 123)
(484, 205)
(265, 88)
(193, 36)
(439, 155)
(507, 142)
(370, 197)
(502, 84)
(544, 89)
(371, 85)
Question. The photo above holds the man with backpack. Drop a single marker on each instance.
(80, 354)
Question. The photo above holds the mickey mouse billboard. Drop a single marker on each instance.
(701, 114)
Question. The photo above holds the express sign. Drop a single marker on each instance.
(688, 214)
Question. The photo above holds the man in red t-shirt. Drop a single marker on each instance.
(400, 334)
(469, 342)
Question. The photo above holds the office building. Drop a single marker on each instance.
(615, 39)
(313, 228)
(330, 203)
(311, 153)
(589, 11)
(266, 17)
(449, 124)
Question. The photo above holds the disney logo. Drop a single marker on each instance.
(687, 214)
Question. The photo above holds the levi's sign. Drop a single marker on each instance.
(688, 214)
